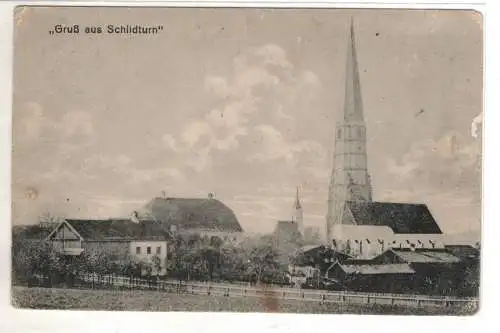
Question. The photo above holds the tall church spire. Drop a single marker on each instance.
(353, 105)
(350, 180)
(297, 200)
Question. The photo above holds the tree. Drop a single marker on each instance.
(96, 261)
(156, 263)
(262, 258)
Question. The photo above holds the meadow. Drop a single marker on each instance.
(126, 300)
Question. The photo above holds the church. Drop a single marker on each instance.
(292, 231)
(356, 224)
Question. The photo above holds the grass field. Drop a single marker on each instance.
(51, 298)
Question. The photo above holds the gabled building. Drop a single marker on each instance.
(386, 278)
(204, 216)
(120, 239)
(426, 271)
(310, 258)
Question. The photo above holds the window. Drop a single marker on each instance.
(339, 133)
(138, 250)
(158, 250)
(148, 250)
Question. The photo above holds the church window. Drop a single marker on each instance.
(339, 133)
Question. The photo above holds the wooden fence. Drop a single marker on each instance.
(283, 293)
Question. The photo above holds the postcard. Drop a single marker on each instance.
(247, 159)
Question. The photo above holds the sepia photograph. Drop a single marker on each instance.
(278, 160)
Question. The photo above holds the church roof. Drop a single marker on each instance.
(402, 218)
(192, 213)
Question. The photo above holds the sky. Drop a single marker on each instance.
(243, 103)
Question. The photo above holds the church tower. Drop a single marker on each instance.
(350, 180)
(298, 214)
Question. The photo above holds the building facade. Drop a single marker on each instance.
(121, 240)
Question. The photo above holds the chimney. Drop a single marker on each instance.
(211, 195)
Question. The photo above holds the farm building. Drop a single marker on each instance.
(384, 278)
(435, 271)
(120, 239)
(318, 257)
(204, 216)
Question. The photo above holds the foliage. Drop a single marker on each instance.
(190, 257)
(262, 258)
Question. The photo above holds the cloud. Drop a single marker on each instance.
(451, 164)
(123, 166)
(32, 123)
(272, 146)
(248, 107)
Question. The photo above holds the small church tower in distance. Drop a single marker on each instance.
(298, 214)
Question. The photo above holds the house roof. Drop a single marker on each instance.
(369, 269)
(426, 256)
(402, 218)
(188, 213)
(308, 248)
(463, 251)
(117, 229)
(317, 255)
(35, 232)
